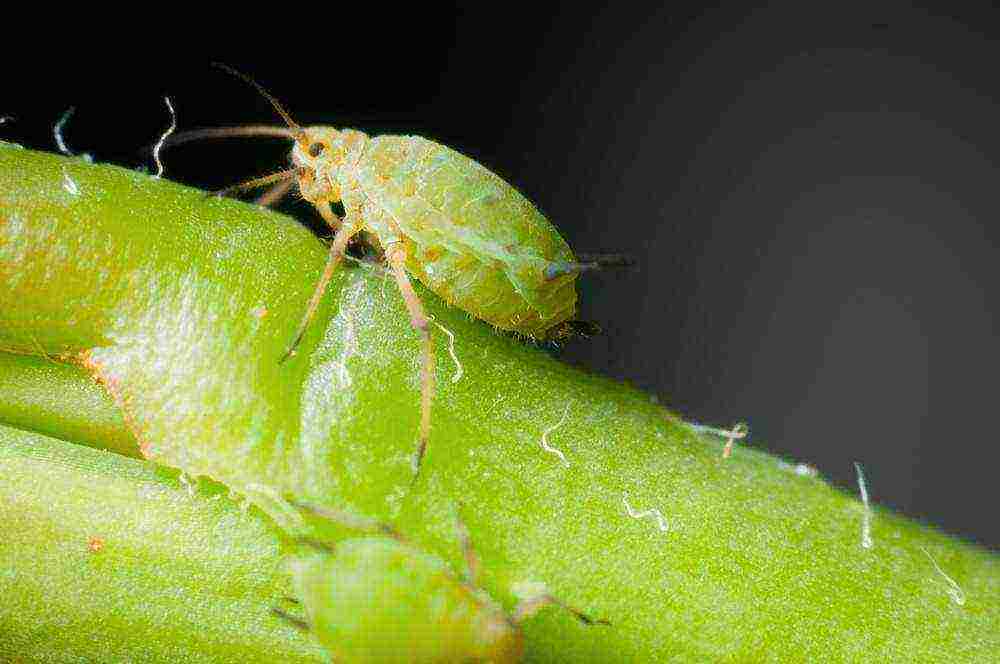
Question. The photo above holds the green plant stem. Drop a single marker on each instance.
(59, 400)
(182, 306)
(104, 559)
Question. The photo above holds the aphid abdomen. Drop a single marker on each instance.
(445, 202)
(473, 285)
(375, 599)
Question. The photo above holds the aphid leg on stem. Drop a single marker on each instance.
(348, 520)
(528, 607)
(337, 249)
(396, 256)
(325, 211)
(471, 559)
(297, 623)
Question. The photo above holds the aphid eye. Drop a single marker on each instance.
(316, 149)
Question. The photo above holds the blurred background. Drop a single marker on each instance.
(812, 194)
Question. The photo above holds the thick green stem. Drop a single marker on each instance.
(181, 306)
(104, 559)
(38, 393)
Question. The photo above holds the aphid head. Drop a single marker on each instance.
(317, 151)
(320, 159)
(319, 148)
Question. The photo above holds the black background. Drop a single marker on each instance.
(812, 194)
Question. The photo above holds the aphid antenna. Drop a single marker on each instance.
(192, 135)
(297, 132)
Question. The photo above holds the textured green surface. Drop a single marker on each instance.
(44, 395)
(174, 578)
(161, 286)
(400, 605)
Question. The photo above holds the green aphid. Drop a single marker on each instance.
(437, 215)
(382, 599)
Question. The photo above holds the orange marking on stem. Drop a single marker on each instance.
(112, 386)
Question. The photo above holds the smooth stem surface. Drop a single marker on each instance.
(181, 306)
(57, 399)
(104, 559)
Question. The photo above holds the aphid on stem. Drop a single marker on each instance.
(437, 216)
(381, 599)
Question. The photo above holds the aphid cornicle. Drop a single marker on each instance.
(437, 215)
(382, 599)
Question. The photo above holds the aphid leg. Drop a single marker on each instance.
(396, 255)
(471, 559)
(275, 193)
(297, 623)
(337, 249)
(528, 607)
(348, 520)
(325, 211)
(265, 180)
(319, 545)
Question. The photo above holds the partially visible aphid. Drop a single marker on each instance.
(382, 599)
(437, 215)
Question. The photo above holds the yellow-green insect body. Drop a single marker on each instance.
(376, 599)
(437, 215)
(468, 236)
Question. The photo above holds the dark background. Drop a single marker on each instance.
(812, 194)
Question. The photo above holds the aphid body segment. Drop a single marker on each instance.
(440, 216)
(382, 599)
(376, 599)
(466, 234)
(436, 214)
